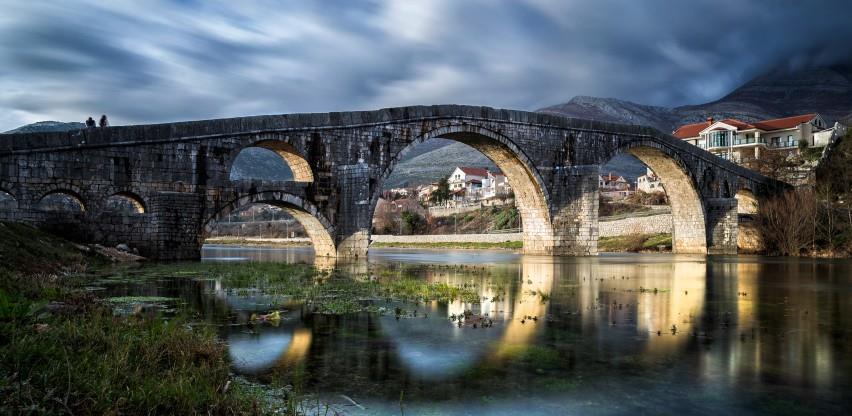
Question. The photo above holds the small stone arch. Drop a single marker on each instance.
(292, 157)
(689, 235)
(747, 203)
(317, 227)
(531, 195)
(71, 194)
(8, 201)
(132, 200)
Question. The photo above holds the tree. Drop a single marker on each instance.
(787, 222)
(442, 193)
(412, 222)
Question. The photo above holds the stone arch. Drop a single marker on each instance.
(318, 228)
(8, 201)
(531, 195)
(746, 202)
(291, 157)
(73, 196)
(689, 234)
(134, 201)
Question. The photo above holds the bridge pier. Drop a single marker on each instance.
(722, 225)
(574, 213)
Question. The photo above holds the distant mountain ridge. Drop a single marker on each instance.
(779, 93)
(47, 126)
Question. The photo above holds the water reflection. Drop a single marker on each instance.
(663, 333)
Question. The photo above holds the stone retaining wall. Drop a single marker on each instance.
(652, 224)
(446, 238)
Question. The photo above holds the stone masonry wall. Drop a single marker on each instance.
(652, 224)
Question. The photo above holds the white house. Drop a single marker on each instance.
(649, 182)
(739, 141)
(495, 185)
(462, 177)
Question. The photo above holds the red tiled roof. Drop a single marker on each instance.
(784, 123)
(688, 131)
(474, 171)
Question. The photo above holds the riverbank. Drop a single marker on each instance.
(64, 351)
(470, 245)
(259, 241)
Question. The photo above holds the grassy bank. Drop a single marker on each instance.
(636, 243)
(509, 245)
(63, 351)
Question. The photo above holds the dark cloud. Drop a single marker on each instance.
(166, 60)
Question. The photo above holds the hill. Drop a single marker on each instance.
(47, 126)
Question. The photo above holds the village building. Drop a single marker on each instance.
(739, 141)
(614, 187)
(474, 184)
(649, 183)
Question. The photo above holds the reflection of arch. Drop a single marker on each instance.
(318, 228)
(688, 224)
(127, 198)
(531, 196)
(292, 158)
(746, 202)
(70, 194)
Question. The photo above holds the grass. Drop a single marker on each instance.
(509, 245)
(63, 351)
(635, 243)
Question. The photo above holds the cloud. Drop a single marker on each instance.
(179, 60)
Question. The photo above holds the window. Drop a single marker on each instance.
(717, 139)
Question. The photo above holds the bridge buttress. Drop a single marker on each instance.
(722, 225)
(574, 211)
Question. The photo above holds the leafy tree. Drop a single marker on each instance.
(412, 222)
(442, 193)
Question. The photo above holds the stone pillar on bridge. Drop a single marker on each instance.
(176, 225)
(574, 202)
(722, 225)
(354, 216)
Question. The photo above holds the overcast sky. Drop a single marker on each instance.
(181, 60)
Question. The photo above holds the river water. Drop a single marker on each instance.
(614, 334)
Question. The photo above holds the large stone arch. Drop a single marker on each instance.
(531, 195)
(291, 156)
(689, 225)
(319, 229)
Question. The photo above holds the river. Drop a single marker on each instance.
(614, 334)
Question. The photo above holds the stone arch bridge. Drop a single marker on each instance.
(177, 175)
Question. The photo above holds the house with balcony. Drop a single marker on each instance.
(741, 142)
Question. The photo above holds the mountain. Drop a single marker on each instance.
(438, 160)
(778, 93)
(47, 126)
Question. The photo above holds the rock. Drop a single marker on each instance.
(123, 247)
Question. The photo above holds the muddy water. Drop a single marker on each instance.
(615, 334)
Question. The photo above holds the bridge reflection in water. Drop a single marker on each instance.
(601, 324)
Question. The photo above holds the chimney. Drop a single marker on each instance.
(709, 120)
